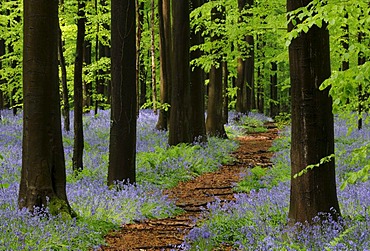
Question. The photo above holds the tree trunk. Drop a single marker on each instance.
(139, 20)
(241, 95)
(214, 122)
(87, 86)
(2, 53)
(225, 81)
(43, 176)
(198, 123)
(62, 63)
(249, 68)
(180, 131)
(345, 44)
(164, 10)
(361, 97)
(274, 110)
(312, 125)
(152, 50)
(122, 144)
(78, 146)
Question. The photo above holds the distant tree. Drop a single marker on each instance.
(249, 66)
(164, 11)
(180, 131)
(214, 121)
(2, 53)
(62, 63)
(43, 176)
(241, 95)
(312, 124)
(78, 146)
(153, 58)
(274, 108)
(122, 143)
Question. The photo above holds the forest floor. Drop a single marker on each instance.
(192, 196)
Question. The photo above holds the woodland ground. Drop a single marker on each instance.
(193, 196)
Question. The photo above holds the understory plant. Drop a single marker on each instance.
(99, 208)
(257, 220)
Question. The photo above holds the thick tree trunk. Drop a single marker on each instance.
(180, 131)
(122, 144)
(78, 146)
(63, 68)
(214, 122)
(164, 10)
(312, 125)
(198, 123)
(43, 176)
(274, 108)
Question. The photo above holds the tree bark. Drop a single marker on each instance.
(225, 83)
(249, 68)
(274, 109)
(63, 68)
(2, 53)
(139, 21)
(152, 50)
(214, 121)
(122, 144)
(87, 86)
(78, 143)
(312, 125)
(241, 95)
(164, 10)
(180, 131)
(43, 176)
(198, 123)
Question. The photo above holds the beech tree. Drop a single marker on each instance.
(122, 143)
(312, 124)
(43, 176)
(78, 145)
(180, 131)
(214, 121)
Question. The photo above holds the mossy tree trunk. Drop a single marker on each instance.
(43, 176)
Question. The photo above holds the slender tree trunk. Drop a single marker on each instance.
(164, 10)
(225, 81)
(78, 146)
(154, 75)
(215, 122)
(87, 86)
(122, 143)
(345, 44)
(43, 176)
(2, 53)
(361, 97)
(312, 125)
(180, 131)
(139, 22)
(274, 109)
(62, 63)
(249, 67)
(241, 95)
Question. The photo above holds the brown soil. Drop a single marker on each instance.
(193, 196)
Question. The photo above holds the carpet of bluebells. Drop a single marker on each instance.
(258, 220)
(99, 209)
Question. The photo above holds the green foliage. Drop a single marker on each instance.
(283, 119)
(252, 180)
(324, 160)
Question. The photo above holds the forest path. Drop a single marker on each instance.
(193, 196)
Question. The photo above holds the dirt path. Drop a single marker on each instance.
(192, 196)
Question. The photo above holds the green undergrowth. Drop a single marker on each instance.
(259, 177)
